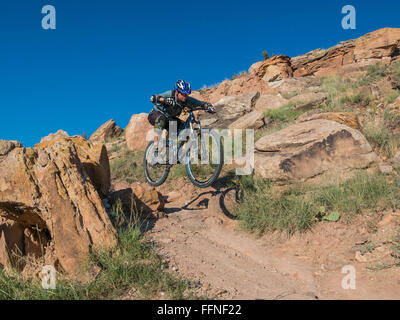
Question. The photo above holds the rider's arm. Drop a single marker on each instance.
(194, 103)
(155, 98)
(159, 99)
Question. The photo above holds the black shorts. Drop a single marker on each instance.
(160, 121)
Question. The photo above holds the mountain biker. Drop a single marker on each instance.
(170, 104)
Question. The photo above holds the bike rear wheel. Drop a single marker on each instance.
(156, 173)
(204, 165)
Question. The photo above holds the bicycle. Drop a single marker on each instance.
(203, 160)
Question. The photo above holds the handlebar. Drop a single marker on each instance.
(198, 109)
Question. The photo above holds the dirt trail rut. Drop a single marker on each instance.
(198, 241)
(201, 243)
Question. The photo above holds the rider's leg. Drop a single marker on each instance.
(159, 126)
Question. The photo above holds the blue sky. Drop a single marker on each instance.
(106, 58)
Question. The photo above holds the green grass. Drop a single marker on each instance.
(133, 264)
(177, 171)
(128, 166)
(390, 116)
(298, 207)
(336, 88)
(108, 140)
(378, 71)
(381, 138)
(285, 114)
(357, 99)
(344, 94)
(291, 94)
(279, 119)
(374, 73)
(115, 148)
(392, 96)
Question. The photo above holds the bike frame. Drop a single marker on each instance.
(187, 125)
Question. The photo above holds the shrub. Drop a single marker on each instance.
(265, 55)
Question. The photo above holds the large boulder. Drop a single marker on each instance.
(236, 106)
(137, 199)
(346, 118)
(275, 68)
(47, 198)
(7, 146)
(252, 120)
(11, 243)
(139, 132)
(107, 131)
(229, 109)
(324, 62)
(269, 102)
(54, 136)
(94, 158)
(308, 100)
(352, 56)
(309, 149)
(294, 86)
(378, 44)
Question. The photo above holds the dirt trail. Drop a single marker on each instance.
(197, 240)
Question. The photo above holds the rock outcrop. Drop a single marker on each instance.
(269, 102)
(348, 58)
(138, 199)
(47, 200)
(252, 120)
(308, 100)
(107, 131)
(94, 158)
(54, 136)
(139, 132)
(346, 118)
(273, 69)
(7, 146)
(308, 149)
(295, 86)
(229, 109)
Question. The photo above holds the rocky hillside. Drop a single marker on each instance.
(349, 58)
(326, 123)
(337, 109)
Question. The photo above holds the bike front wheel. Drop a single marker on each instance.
(204, 159)
(156, 173)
